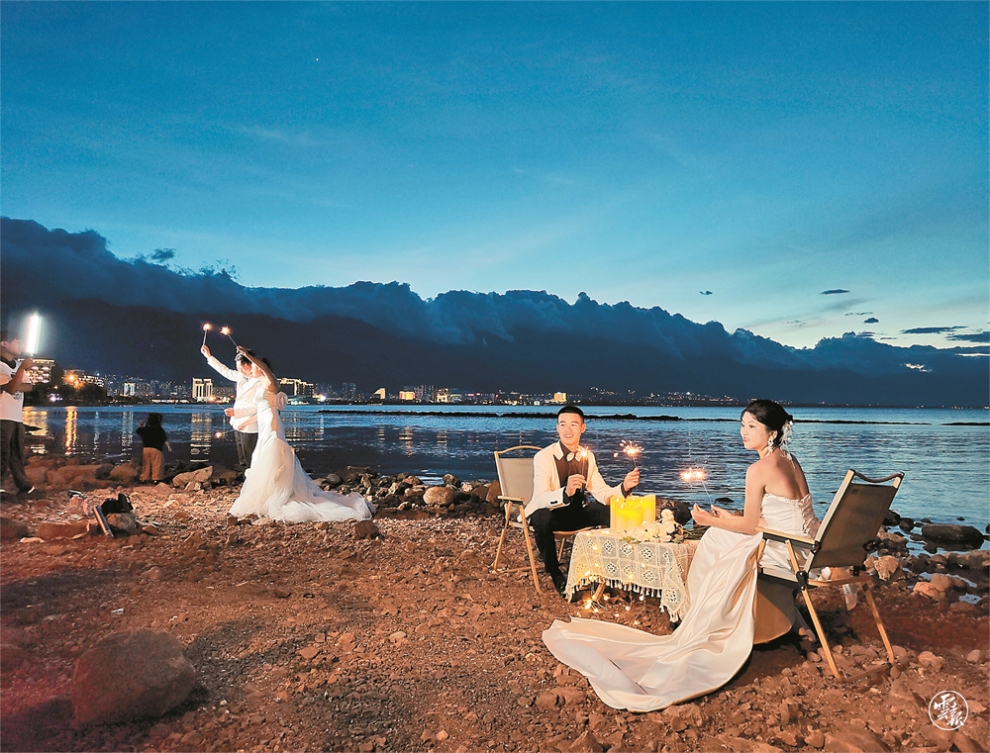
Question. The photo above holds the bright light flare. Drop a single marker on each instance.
(226, 331)
(33, 334)
(630, 449)
(206, 328)
(693, 474)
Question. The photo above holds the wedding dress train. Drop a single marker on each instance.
(639, 671)
(277, 487)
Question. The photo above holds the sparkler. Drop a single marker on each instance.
(226, 331)
(206, 328)
(585, 457)
(691, 475)
(630, 449)
(33, 334)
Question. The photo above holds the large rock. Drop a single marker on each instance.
(124, 473)
(48, 531)
(200, 476)
(73, 477)
(950, 533)
(133, 674)
(438, 496)
(12, 529)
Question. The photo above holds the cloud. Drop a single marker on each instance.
(859, 313)
(705, 292)
(930, 330)
(978, 337)
(163, 254)
(834, 291)
(871, 320)
(59, 269)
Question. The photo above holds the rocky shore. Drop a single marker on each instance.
(395, 635)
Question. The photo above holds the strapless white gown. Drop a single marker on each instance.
(639, 671)
(277, 487)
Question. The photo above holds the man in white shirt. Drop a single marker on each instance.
(244, 414)
(563, 474)
(14, 382)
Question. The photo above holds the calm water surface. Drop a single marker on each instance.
(944, 453)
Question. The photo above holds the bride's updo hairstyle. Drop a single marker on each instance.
(774, 417)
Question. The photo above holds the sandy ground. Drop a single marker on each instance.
(308, 638)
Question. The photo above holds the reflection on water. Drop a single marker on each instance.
(200, 435)
(947, 467)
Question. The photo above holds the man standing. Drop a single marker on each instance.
(244, 414)
(563, 474)
(14, 382)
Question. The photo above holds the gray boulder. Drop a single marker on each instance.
(129, 675)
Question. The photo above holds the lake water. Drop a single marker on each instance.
(944, 453)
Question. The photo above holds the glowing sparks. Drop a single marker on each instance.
(226, 331)
(693, 475)
(206, 329)
(33, 334)
(630, 449)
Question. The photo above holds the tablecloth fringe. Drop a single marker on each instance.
(675, 616)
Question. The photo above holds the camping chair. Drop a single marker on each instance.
(843, 541)
(515, 478)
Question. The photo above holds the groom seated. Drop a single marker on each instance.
(563, 474)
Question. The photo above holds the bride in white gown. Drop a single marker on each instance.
(276, 486)
(631, 669)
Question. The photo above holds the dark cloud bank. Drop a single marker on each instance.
(143, 318)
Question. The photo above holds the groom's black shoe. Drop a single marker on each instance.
(560, 583)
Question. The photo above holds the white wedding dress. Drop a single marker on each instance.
(277, 487)
(639, 671)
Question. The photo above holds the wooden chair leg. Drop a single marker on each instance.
(532, 557)
(876, 618)
(821, 634)
(501, 539)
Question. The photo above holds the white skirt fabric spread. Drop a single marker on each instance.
(277, 487)
(639, 671)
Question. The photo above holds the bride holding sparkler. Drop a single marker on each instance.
(631, 669)
(276, 486)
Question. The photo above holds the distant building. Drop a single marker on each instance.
(202, 390)
(297, 387)
(41, 372)
(379, 395)
(129, 389)
(77, 378)
(559, 397)
(407, 396)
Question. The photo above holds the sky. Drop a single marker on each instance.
(800, 170)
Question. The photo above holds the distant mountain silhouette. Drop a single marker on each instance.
(140, 318)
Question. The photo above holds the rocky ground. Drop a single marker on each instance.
(315, 637)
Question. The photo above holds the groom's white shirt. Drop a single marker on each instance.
(245, 418)
(547, 491)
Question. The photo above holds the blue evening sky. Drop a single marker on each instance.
(797, 169)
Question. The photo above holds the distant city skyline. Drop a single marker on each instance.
(798, 170)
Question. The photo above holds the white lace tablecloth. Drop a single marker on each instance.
(646, 567)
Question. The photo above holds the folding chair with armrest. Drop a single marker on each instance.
(843, 540)
(515, 477)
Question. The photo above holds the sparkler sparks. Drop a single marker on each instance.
(206, 328)
(226, 331)
(630, 449)
(691, 475)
